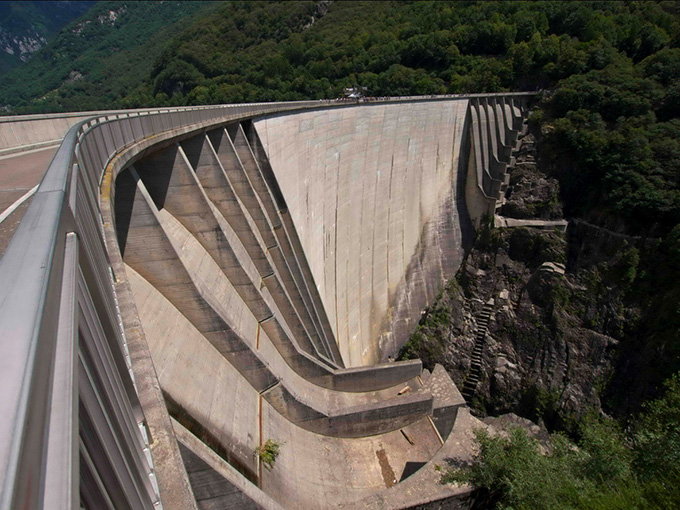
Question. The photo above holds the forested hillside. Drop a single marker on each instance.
(98, 58)
(250, 51)
(25, 27)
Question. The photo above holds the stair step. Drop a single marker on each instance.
(476, 358)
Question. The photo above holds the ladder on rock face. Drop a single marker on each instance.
(475, 372)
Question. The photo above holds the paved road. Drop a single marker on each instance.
(18, 174)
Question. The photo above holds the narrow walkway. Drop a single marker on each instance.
(475, 372)
(505, 222)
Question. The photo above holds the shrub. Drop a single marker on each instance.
(268, 452)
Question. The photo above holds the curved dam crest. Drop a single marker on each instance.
(375, 196)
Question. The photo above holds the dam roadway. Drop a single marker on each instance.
(19, 174)
(268, 268)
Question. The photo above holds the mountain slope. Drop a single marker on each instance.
(173, 53)
(98, 58)
(25, 27)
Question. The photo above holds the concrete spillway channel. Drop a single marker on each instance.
(278, 263)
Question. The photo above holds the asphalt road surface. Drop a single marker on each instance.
(19, 173)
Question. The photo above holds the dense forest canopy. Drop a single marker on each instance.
(252, 51)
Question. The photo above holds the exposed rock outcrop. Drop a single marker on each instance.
(551, 340)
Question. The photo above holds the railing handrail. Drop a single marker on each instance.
(135, 111)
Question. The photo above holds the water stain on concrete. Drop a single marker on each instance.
(387, 472)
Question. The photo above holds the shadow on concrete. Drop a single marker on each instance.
(466, 228)
(410, 468)
(126, 187)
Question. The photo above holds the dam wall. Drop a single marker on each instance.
(382, 198)
(374, 195)
(235, 328)
(282, 259)
(494, 124)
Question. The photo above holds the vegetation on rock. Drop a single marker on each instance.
(606, 469)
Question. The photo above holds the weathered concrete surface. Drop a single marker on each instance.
(501, 221)
(171, 475)
(19, 133)
(315, 408)
(316, 471)
(35, 130)
(494, 125)
(371, 193)
(424, 487)
(216, 484)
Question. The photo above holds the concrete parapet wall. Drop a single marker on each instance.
(19, 132)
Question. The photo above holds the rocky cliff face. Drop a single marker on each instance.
(22, 46)
(558, 310)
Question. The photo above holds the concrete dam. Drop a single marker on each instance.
(242, 278)
(278, 264)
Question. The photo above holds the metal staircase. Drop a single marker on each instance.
(475, 373)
